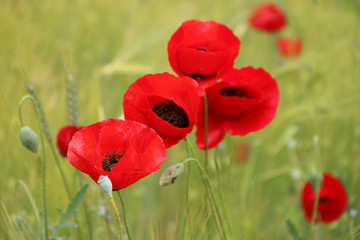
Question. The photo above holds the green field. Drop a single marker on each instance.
(106, 45)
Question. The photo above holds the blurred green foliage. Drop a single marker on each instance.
(108, 44)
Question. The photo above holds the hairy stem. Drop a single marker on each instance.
(124, 215)
(210, 191)
(117, 216)
(42, 132)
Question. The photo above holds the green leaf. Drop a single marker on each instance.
(293, 231)
(71, 210)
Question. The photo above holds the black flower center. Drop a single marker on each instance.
(110, 159)
(172, 113)
(234, 91)
(198, 77)
(202, 49)
(324, 200)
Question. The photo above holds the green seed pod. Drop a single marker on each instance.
(171, 174)
(29, 139)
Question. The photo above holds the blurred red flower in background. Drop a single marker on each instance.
(125, 151)
(289, 47)
(164, 102)
(241, 152)
(332, 200)
(63, 138)
(244, 101)
(268, 17)
(203, 50)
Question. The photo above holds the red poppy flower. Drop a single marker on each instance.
(332, 200)
(268, 17)
(164, 102)
(244, 101)
(63, 138)
(125, 151)
(289, 47)
(203, 50)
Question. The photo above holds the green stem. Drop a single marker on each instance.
(117, 216)
(189, 149)
(38, 116)
(315, 212)
(61, 170)
(217, 165)
(190, 153)
(86, 210)
(47, 132)
(317, 187)
(351, 230)
(124, 215)
(44, 125)
(36, 211)
(206, 131)
(220, 183)
(210, 192)
(230, 143)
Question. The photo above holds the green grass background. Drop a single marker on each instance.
(108, 44)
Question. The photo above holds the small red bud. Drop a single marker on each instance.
(64, 136)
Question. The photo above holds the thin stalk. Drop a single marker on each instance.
(45, 129)
(117, 216)
(124, 215)
(60, 168)
(47, 132)
(206, 131)
(86, 210)
(315, 212)
(190, 153)
(210, 192)
(351, 230)
(36, 211)
(317, 187)
(230, 142)
(38, 116)
(217, 164)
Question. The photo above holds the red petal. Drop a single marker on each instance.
(64, 137)
(332, 199)
(256, 114)
(143, 150)
(192, 61)
(289, 47)
(150, 90)
(268, 17)
(203, 48)
(111, 139)
(232, 106)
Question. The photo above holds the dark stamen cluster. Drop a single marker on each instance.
(110, 159)
(324, 199)
(172, 113)
(202, 49)
(199, 77)
(233, 91)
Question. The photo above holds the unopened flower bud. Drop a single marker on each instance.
(171, 173)
(29, 139)
(105, 185)
(295, 174)
(352, 212)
